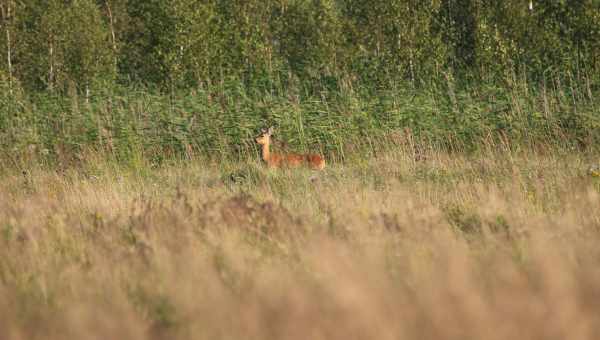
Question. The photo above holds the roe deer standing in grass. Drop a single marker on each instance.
(275, 160)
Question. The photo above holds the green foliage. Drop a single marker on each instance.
(222, 122)
(185, 43)
(172, 78)
(63, 43)
(308, 35)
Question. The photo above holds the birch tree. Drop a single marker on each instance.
(7, 15)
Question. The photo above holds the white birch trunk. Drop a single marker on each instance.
(6, 16)
(112, 33)
(51, 71)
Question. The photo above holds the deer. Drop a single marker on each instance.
(292, 160)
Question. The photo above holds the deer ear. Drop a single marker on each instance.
(271, 130)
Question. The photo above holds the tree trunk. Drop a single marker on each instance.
(113, 36)
(51, 71)
(6, 17)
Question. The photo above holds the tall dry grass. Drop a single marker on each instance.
(494, 246)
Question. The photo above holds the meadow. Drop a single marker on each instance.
(407, 243)
(457, 200)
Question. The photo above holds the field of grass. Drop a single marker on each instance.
(496, 244)
(457, 201)
(221, 121)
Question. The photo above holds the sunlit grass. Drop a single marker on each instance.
(445, 246)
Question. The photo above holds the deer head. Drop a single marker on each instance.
(265, 136)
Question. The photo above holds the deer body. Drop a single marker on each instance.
(276, 160)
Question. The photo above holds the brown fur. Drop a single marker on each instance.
(276, 160)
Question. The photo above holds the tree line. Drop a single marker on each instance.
(51, 45)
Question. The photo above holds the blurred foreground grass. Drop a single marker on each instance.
(493, 245)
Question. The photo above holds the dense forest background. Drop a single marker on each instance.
(184, 76)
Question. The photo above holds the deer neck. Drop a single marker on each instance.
(266, 152)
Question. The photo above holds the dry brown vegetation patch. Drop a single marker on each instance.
(384, 248)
